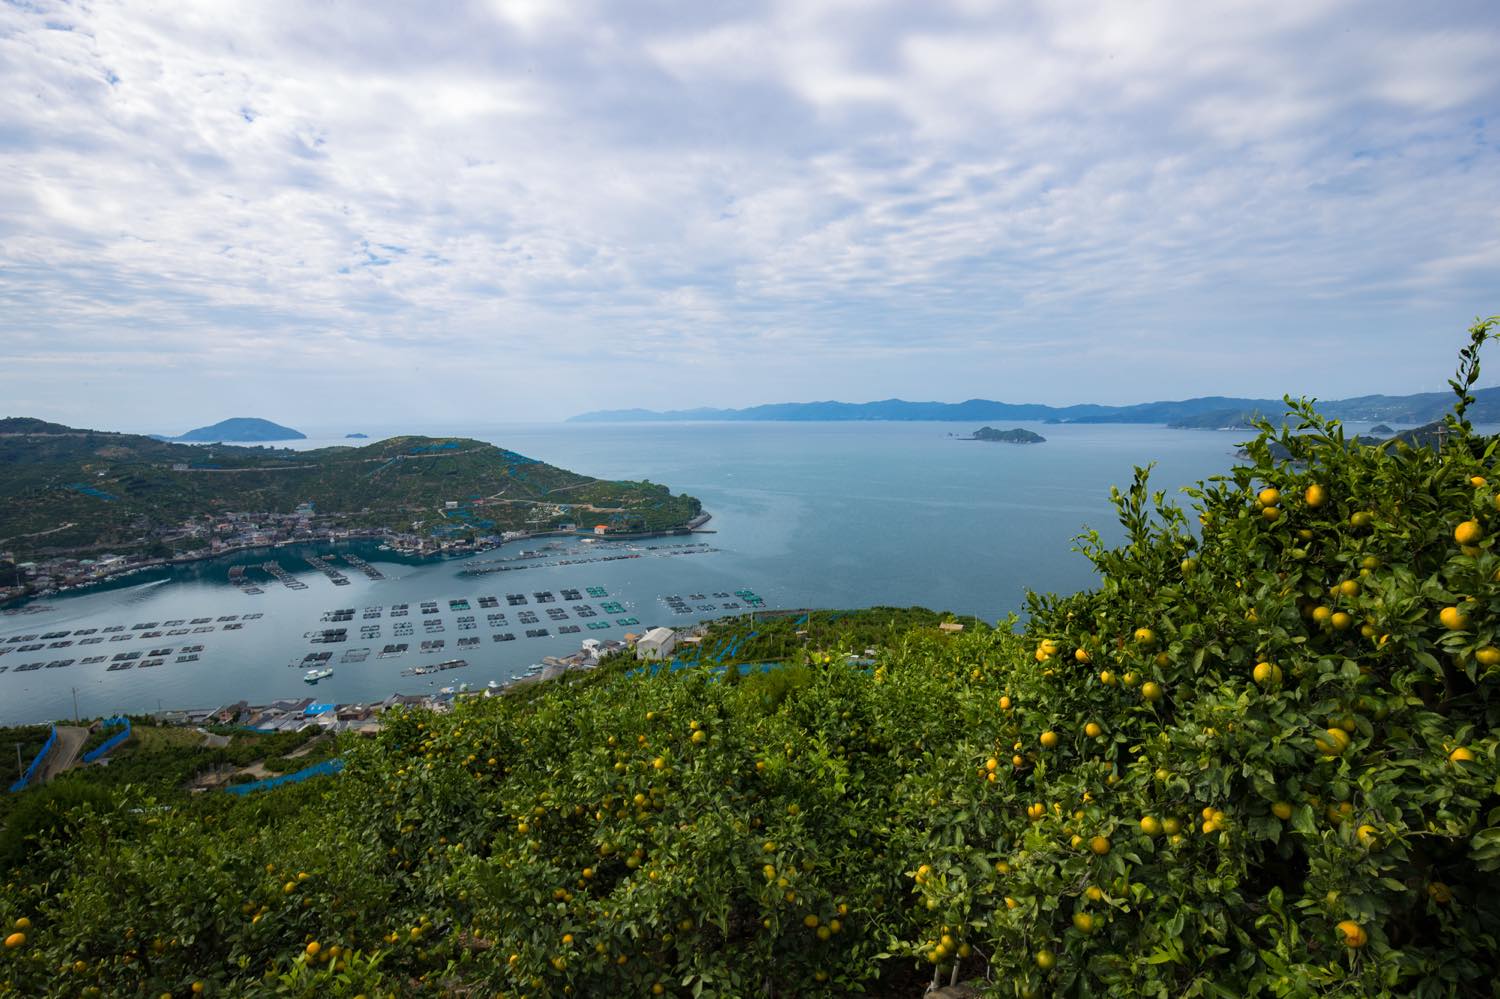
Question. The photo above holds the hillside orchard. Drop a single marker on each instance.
(1258, 759)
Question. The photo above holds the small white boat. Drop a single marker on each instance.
(494, 685)
(314, 675)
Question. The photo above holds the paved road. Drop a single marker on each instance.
(70, 739)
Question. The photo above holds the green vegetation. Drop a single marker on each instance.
(1259, 759)
(79, 492)
(25, 741)
(1017, 435)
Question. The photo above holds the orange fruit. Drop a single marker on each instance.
(1468, 533)
(1453, 619)
(1353, 933)
(1315, 496)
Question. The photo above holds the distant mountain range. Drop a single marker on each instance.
(1423, 407)
(241, 428)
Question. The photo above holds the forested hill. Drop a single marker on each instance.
(67, 491)
(1406, 409)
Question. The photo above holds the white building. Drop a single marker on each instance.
(657, 643)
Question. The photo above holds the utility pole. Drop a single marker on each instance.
(75, 704)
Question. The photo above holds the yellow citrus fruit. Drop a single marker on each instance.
(1046, 960)
(1107, 678)
(15, 940)
(1478, 480)
(1083, 922)
(1349, 588)
(1282, 810)
(1332, 741)
(1468, 533)
(1049, 740)
(1093, 730)
(1082, 655)
(1100, 845)
(1361, 518)
(1151, 691)
(1269, 496)
(1353, 933)
(1271, 514)
(1322, 615)
(23, 923)
(1145, 636)
(1440, 893)
(1453, 619)
(1366, 834)
(1488, 655)
(313, 948)
(1341, 621)
(1171, 826)
(1005, 704)
(1266, 673)
(1315, 496)
(1151, 826)
(1462, 755)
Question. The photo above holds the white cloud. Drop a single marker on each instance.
(513, 193)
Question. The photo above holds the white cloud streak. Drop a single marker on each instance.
(474, 208)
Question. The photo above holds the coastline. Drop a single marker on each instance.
(418, 551)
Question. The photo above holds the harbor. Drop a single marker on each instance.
(257, 623)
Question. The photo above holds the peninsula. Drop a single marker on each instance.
(1016, 436)
(76, 505)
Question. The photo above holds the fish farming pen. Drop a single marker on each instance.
(283, 577)
(364, 567)
(322, 565)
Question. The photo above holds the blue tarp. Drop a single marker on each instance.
(111, 742)
(332, 766)
(318, 709)
(37, 762)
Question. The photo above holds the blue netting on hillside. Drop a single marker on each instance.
(332, 766)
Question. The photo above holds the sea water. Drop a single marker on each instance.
(804, 515)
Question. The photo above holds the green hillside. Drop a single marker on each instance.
(77, 492)
(1258, 759)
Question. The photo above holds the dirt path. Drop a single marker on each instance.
(70, 739)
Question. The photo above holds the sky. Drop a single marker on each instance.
(342, 212)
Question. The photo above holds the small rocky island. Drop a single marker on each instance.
(1015, 436)
(363, 437)
(1380, 429)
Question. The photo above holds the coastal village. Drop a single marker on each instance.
(228, 534)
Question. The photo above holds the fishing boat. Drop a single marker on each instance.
(314, 675)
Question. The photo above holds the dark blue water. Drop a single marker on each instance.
(805, 514)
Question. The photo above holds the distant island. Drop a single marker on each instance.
(1016, 436)
(78, 505)
(241, 428)
(1381, 428)
(1407, 409)
(363, 437)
